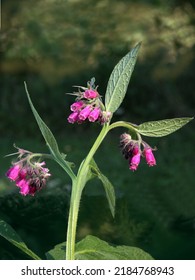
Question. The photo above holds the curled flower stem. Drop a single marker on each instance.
(128, 125)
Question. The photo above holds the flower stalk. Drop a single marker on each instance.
(77, 187)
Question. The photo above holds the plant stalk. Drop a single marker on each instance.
(78, 185)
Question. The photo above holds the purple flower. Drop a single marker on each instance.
(135, 158)
(76, 106)
(13, 172)
(132, 151)
(150, 159)
(24, 186)
(84, 113)
(30, 176)
(90, 94)
(22, 173)
(94, 115)
(73, 117)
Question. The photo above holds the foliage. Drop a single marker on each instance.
(42, 56)
(54, 45)
(92, 248)
(116, 90)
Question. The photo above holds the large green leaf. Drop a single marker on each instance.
(9, 233)
(93, 248)
(109, 189)
(50, 139)
(162, 128)
(119, 80)
(57, 253)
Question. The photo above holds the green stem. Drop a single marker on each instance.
(128, 125)
(78, 185)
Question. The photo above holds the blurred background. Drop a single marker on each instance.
(55, 44)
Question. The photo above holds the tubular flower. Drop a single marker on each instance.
(134, 162)
(132, 151)
(134, 158)
(88, 106)
(24, 186)
(84, 113)
(94, 115)
(76, 106)
(28, 176)
(150, 159)
(14, 172)
(73, 117)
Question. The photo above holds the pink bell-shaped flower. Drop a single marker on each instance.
(94, 115)
(150, 159)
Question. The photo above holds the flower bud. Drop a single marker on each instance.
(105, 117)
(90, 94)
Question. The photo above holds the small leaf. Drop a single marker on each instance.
(9, 234)
(50, 139)
(93, 248)
(161, 128)
(119, 80)
(109, 189)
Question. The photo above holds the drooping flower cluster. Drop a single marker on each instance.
(132, 151)
(29, 176)
(88, 106)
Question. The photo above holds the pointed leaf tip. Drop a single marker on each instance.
(119, 80)
(163, 127)
(49, 138)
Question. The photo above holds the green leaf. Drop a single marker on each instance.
(9, 233)
(57, 253)
(50, 139)
(93, 248)
(161, 128)
(46, 132)
(109, 189)
(119, 80)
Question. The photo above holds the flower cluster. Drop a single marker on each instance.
(29, 176)
(131, 150)
(88, 106)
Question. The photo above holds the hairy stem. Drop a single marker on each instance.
(78, 185)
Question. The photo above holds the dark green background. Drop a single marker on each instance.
(53, 45)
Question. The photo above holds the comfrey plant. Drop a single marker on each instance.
(30, 174)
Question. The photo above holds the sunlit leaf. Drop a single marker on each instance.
(93, 248)
(162, 128)
(119, 80)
